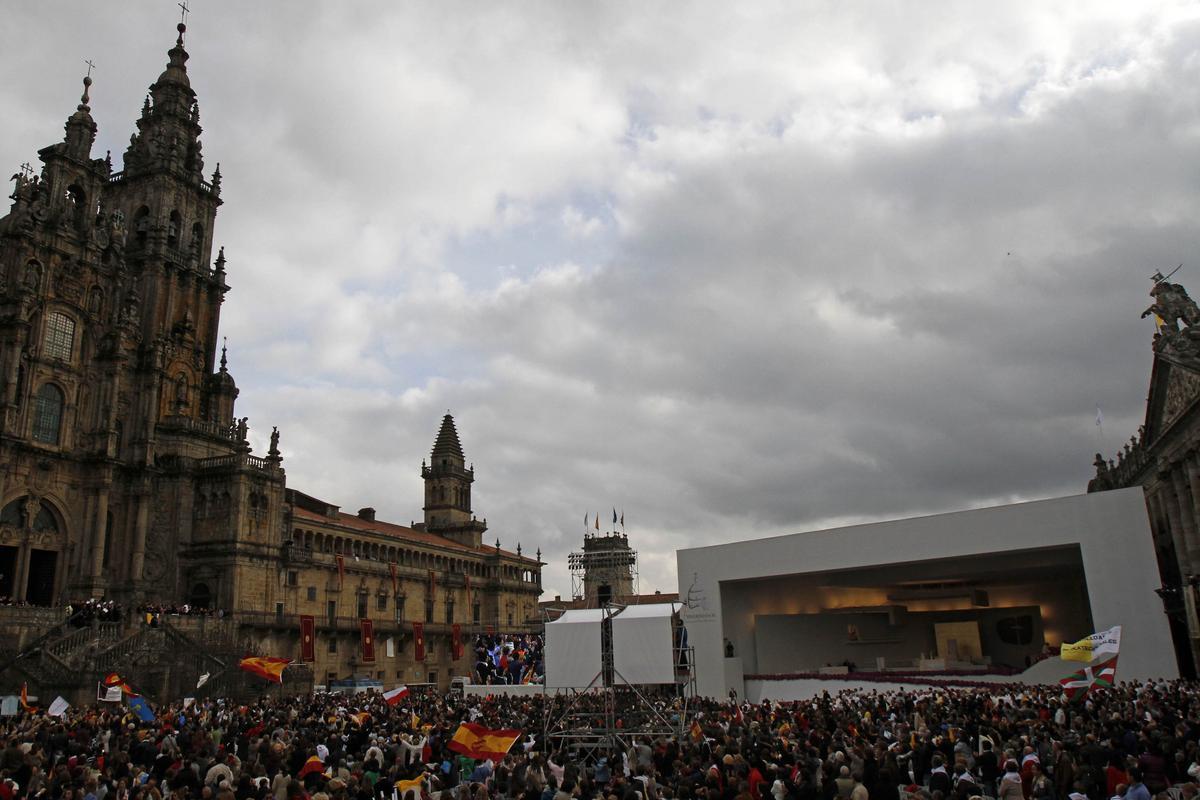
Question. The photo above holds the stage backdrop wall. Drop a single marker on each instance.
(573, 649)
(642, 644)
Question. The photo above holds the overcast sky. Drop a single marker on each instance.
(737, 269)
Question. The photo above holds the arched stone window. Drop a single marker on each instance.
(173, 225)
(59, 338)
(47, 414)
(141, 224)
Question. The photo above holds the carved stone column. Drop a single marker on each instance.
(138, 561)
(1170, 505)
(22, 572)
(99, 532)
(1187, 520)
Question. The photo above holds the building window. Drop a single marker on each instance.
(381, 603)
(400, 608)
(312, 593)
(331, 611)
(429, 609)
(330, 677)
(293, 578)
(510, 619)
(450, 613)
(475, 614)
(362, 606)
(333, 644)
(47, 414)
(279, 612)
(60, 337)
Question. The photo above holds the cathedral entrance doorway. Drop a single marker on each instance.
(8, 571)
(39, 591)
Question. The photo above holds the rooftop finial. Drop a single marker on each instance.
(224, 345)
(182, 26)
(87, 85)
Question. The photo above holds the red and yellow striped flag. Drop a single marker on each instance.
(476, 741)
(265, 667)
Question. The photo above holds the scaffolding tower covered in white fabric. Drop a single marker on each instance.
(643, 644)
(573, 652)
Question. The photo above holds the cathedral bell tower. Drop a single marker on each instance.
(175, 289)
(448, 490)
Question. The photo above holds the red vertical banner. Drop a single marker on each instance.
(419, 641)
(341, 562)
(368, 639)
(395, 582)
(456, 648)
(308, 635)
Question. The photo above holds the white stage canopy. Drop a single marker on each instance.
(643, 647)
(573, 649)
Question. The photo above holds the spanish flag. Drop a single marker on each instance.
(265, 667)
(314, 766)
(361, 718)
(414, 784)
(115, 681)
(1104, 643)
(476, 741)
(697, 733)
(25, 699)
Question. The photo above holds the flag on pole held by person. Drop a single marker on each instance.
(1097, 646)
(25, 699)
(395, 696)
(114, 681)
(265, 667)
(476, 741)
(1101, 675)
(314, 765)
(139, 706)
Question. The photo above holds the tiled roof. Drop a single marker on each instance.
(400, 532)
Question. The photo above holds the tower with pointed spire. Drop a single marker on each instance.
(127, 474)
(112, 408)
(448, 482)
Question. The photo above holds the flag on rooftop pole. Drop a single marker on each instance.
(1099, 417)
(585, 519)
(597, 520)
(1094, 647)
(622, 519)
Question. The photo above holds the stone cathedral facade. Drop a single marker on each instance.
(126, 474)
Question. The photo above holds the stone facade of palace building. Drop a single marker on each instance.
(1164, 458)
(124, 471)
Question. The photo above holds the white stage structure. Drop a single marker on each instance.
(626, 672)
(573, 652)
(643, 644)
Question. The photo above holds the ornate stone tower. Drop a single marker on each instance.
(448, 490)
(122, 471)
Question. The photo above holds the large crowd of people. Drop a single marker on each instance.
(509, 659)
(1137, 741)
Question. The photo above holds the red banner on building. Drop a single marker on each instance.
(395, 581)
(368, 639)
(456, 648)
(308, 636)
(419, 641)
(341, 562)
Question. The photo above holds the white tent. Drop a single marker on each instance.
(573, 649)
(643, 647)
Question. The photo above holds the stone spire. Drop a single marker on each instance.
(168, 137)
(80, 127)
(447, 444)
